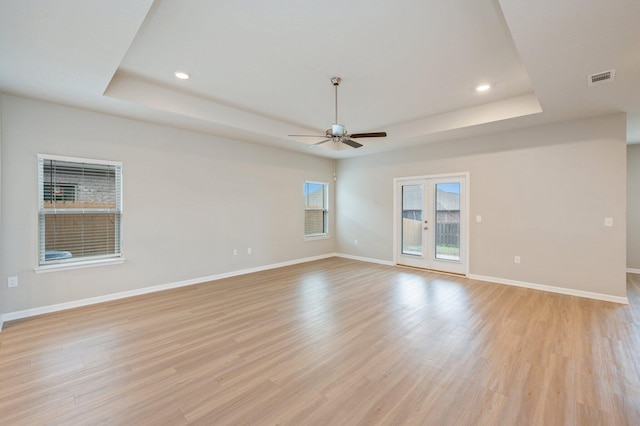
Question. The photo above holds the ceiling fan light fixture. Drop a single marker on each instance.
(181, 75)
(337, 130)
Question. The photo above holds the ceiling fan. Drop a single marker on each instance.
(337, 132)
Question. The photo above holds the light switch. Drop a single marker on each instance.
(478, 218)
(608, 222)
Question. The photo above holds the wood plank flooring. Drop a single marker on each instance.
(332, 342)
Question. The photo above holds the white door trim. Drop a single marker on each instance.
(396, 210)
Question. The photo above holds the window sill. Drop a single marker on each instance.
(77, 265)
(317, 237)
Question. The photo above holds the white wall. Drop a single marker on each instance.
(633, 207)
(189, 200)
(543, 194)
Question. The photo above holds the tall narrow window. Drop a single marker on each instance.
(316, 210)
(447, 221)
(412, 226)
(80, 209)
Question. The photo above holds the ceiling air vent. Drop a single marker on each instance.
(601, 77)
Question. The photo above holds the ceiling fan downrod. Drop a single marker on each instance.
(337, 130)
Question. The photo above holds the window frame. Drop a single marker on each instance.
(84, 261)
(324, 209)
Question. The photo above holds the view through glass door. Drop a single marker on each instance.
(432, 223)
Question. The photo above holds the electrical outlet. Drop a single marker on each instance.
(608, 222)
(516, 259)
(355, 242)
(478, 218)
(235, 252)
(249, 250)
(12, 282)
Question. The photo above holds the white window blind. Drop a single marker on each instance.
(80, 209)
(316, 212)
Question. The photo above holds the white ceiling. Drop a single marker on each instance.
(261, 70)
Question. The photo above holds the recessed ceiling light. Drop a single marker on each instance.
(483, 87)
(181, 75)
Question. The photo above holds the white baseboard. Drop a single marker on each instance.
(633, 271)
(115, 296)
(365, 259)
(552, 289)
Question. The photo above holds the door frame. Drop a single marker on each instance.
(467, 215)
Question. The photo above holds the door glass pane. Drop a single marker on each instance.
(412, 202)
(447, 227)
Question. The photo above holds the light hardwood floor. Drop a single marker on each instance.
(335, 342)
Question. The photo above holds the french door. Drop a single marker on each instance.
(431, 223)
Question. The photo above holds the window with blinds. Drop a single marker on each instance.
(80, 209)
(316, 211)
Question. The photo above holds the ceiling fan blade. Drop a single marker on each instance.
(351, 143)
(369, 135)
(309, 136)
(318, 143)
